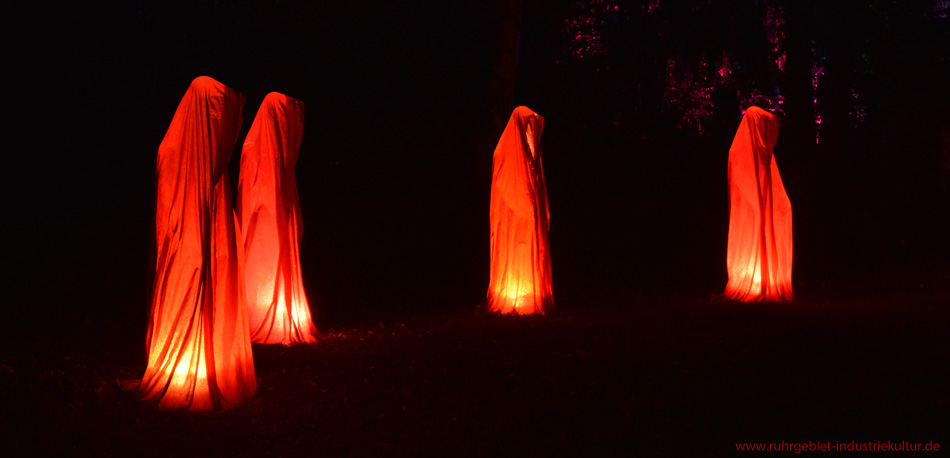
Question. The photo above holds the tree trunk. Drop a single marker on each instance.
(504, 74)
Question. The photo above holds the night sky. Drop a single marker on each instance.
(394, 170)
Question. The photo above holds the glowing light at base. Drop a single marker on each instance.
(199, 347)
(759, 252)
(516, 294)
(268, 209)
(520, 272)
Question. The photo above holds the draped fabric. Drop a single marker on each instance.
(268, 209)
(199, 347)
(520, 276)
(759, 253)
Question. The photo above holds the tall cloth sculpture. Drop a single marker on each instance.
(199, 346)
(759, 253)
(268, 209)
(520, 277)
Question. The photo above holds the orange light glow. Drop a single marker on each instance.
(199, 347)
(268, 209)
(520, 276)
(759, 254)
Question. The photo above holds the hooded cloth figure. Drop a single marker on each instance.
(269, 212)
(199, 347)
(520, 277)
(759, 254)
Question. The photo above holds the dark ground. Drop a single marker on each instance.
(665, 375)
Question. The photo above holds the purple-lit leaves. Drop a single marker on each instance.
(583, 28)
(649, 6)
(688, 94)
(859, 110)
(774, 24)
(756, 97)
(817, 69)
(942, 9)
(725, 69)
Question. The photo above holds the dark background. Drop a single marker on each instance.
(394, 171)
(402, 115)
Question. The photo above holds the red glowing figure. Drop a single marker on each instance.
(268, 210)
(759, 254)
(520, 277)
(199, 347)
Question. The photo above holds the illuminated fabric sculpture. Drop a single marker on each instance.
(199, 347)
(268, 210)
(759, 253)
(520, 277)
